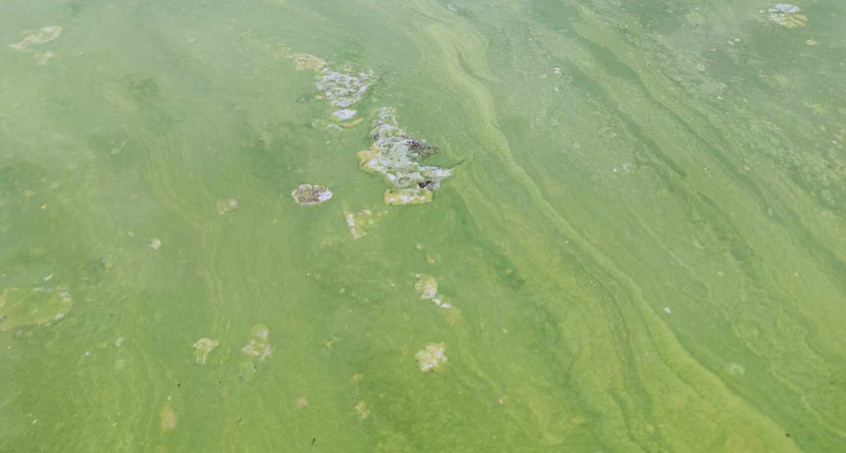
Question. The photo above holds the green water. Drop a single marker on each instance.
(642, 242)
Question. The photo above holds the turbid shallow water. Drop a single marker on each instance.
(638, 242)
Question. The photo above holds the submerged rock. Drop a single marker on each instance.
(787, 15)
(258, 344)
(397, 155)
(33, 307)
(307, 194)
(202, 348)
(432, 357)
(45, 35)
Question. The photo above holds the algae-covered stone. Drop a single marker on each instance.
(225, 205)
(44, 35)
(786, 15)
(407, 196)
(397, 156)
(33, 307)
(258, 344)
(307, 194)
(432, 357)
(202, 348)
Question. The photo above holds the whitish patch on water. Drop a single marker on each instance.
(307, 194)
(202, 348)
(786, 15)
(432, 357)
(427, 288)
(397, 155)
(258, 345)
(225, 205)
(45, 35)
(33, 307)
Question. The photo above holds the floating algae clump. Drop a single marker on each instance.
(44, 35)
(258, 345)
(787, 15)
(202, 348)
(397, 155)
(427, 288)
(34, 307)
(431, 357)
(307, 194)
(341, 88)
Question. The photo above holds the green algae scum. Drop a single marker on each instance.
(422, 226)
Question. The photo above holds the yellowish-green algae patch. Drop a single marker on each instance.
(32, 307)
(258, 346)
(202, 348)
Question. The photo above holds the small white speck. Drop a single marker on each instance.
(667, 309)
(87, 353)
(47, 278)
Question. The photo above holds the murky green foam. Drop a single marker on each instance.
(639, 245)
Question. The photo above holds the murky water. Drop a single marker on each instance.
(537, 225)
